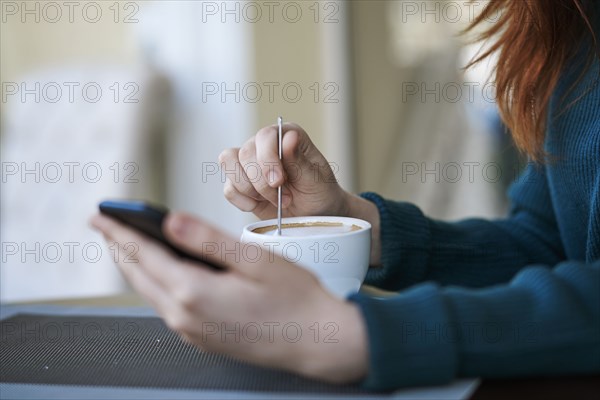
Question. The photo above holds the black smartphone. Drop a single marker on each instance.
(148, 219)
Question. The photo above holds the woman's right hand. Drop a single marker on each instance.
(254, 173)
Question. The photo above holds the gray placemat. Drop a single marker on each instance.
(127, 351)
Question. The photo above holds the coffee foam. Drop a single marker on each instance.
(302, 229)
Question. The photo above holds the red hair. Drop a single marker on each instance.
(534, 39)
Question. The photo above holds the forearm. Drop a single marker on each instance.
(410, 248)
(545, 322)
(473, 253)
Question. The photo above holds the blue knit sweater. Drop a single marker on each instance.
(513, 297)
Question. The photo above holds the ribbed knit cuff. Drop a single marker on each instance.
(405, 244)
(409, 340)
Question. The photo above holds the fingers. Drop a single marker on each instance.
(294, 144)
(261, 208)
(142, 282)
(234, 172)
(235, 197)
(177, 289)
(295, 165)
(255, 171)
(267, 155)
(153, 259)
(290, 143)
(203, 240)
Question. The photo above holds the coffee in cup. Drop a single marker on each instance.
(302, 229)
(335, 249)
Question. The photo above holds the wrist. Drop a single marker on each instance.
(342, 356)
(368, 211)
(345, 204)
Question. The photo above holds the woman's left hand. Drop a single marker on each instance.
(265, 310)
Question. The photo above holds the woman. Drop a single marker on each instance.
(512, 297)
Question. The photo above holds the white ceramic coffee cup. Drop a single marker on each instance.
(339, 260)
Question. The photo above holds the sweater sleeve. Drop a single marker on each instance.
(544, 322)
(472, 252)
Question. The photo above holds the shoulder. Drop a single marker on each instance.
(580, 78)
(578, 88)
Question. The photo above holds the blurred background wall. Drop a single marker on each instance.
(427, 132)
(179, 81)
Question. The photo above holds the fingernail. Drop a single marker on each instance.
(273, 177)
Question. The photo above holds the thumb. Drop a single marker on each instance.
(207, 242)
(301, 157)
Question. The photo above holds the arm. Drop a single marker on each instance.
(544, 322)
(409, 248)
